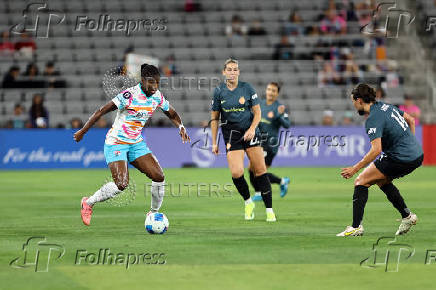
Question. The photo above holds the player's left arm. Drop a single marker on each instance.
(410, 121)
(177, 121)
(376, 149)
(283, 117)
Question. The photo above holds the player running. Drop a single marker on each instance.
(392, 131)
(124, 142)
(238, 105)
(273, 117)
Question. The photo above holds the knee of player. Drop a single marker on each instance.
(158, 177)
(122, 184)
(358, 181)
(236, 173)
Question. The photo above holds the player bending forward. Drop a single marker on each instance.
(392, 131)
(124, 141)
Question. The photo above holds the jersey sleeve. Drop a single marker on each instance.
(164, 104)
(254, 100)
(216, 104)
(374, 126)
(122, 99)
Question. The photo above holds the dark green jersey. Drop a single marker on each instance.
(235, 106)
(386, 121)
(271, 119)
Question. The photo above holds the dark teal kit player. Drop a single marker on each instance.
(273, 118)
(390, 131)
(236, 115)
(237, 104)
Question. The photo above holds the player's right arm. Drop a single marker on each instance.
(214, 119)
(109, 107)
(214, 116)
(410, 121)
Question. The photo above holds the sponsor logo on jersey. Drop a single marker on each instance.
(117, 153)
(384, 107)
(254, 96)
(372, 130)
(223, 101)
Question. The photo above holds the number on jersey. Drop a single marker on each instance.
(399, 119)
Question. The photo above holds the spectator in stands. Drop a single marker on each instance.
(333, 23)
(38, 113)
(102, 123)
(10, 79)
(391, 79)
(19, 118)
(380, 94)
(294, 25)
(192, 6)
(26, 46)
(328, 76)
(351, 71)
(53, 76)
(410, 108)
(347, 119)
(31, 71)
(76, 123)
(7, 47)
(170, 68)
(256, 29)
(327, 118)
(237, 27)
(284, 50)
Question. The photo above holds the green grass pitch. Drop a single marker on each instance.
(209, 245)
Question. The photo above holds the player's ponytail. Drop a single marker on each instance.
(364, 92)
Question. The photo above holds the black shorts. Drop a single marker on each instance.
(269, 155)
(396, 169)
(234, 140)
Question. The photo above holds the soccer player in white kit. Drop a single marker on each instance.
(124, 142)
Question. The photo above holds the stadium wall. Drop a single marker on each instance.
(55, 148)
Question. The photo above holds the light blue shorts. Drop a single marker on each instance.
(127, 152)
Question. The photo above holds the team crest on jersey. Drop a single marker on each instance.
(271, 114)
(127, 95)
(117, 153)
(242, 100)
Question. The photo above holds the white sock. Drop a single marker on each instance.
(269, 210)
(282, 181)
(157, 195)
(106, 192)
(257, 193)
(248, 201)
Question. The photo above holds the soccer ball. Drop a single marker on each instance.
(156, 223)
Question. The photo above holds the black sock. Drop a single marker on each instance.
(274, 178)
(360, 197)
(253, 181)
(265, 188)
(242, 187)
(394, 196)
